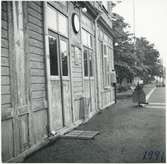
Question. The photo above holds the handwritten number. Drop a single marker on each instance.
(144, 157)
(162, 157)
(150, 154)
(157, 153)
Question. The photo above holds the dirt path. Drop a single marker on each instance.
(127, 134)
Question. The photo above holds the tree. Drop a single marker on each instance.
(123, 49)
(139, 59)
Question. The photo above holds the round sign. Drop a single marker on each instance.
(75, 23)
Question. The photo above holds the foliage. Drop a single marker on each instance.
(138, 58)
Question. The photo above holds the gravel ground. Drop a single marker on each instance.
(127, 133)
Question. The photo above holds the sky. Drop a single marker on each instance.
(150, 21)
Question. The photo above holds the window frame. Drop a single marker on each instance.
(68, 58)
(90, 51)
(53, 35)
(57, 18)
(107, 83)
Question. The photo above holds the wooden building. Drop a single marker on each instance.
(57, 70)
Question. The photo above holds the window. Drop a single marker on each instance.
(85, 63)
(62, 24)
(105, 4)
(77, 55)
(106, 51)
(88, 63)
(107, 63)
(52, 19)
(64, 57)
(53, 56)
(87, 23)
(87, 39)
(57, 21)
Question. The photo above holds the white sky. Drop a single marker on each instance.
(150, 21)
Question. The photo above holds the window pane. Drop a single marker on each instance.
(105, 50)
(53, 56)
(85, 63)
(88, 39)
(52, 19)
(84, 37)
(105, 4)
(64, 57)
(62, 24)
(91, 64)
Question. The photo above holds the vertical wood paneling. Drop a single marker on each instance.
(5, 68)
(36, 52)
(56, 105)
(40, 125)
(7, 140)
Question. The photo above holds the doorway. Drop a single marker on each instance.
(59, 82)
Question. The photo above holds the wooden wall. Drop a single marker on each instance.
(23, 74)
(6, 101)
(24, 104)
(76, 69)
(36, 54)
(5, 69)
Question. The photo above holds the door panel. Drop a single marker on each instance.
(56, 105)
(89, 83)
(66, 93)
(60, 83)
(67, 102)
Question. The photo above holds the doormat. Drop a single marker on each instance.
(80, 134)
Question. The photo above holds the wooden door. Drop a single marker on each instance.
(89, 90)
(56, 117)
(65, 81)
(60, 82)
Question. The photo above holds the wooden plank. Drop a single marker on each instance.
(4, 52)
(77, 84)
(39, 3)
(24, 132)
(36, 50)
(7, 112)
(35, 28)
(4, 25)
(37, 65)
(7, 140)
(4, 71)
(38, 104)
(5, 80)
(38, 94)
(36, 57)
(40, 125)
(36, 43)
(6, 99)
(38, 87)
(4, 15)
(4, 33)
(35, 35)
(76, 71)
(4, 6)
(38, 80)
(4, 106)
(35, 14)
(77, 89)
(4, 61)
(35, 21)
(4, 43)
(37, 72)
(35, 7)
(5, 89)
(77, 79)
(77, 74)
